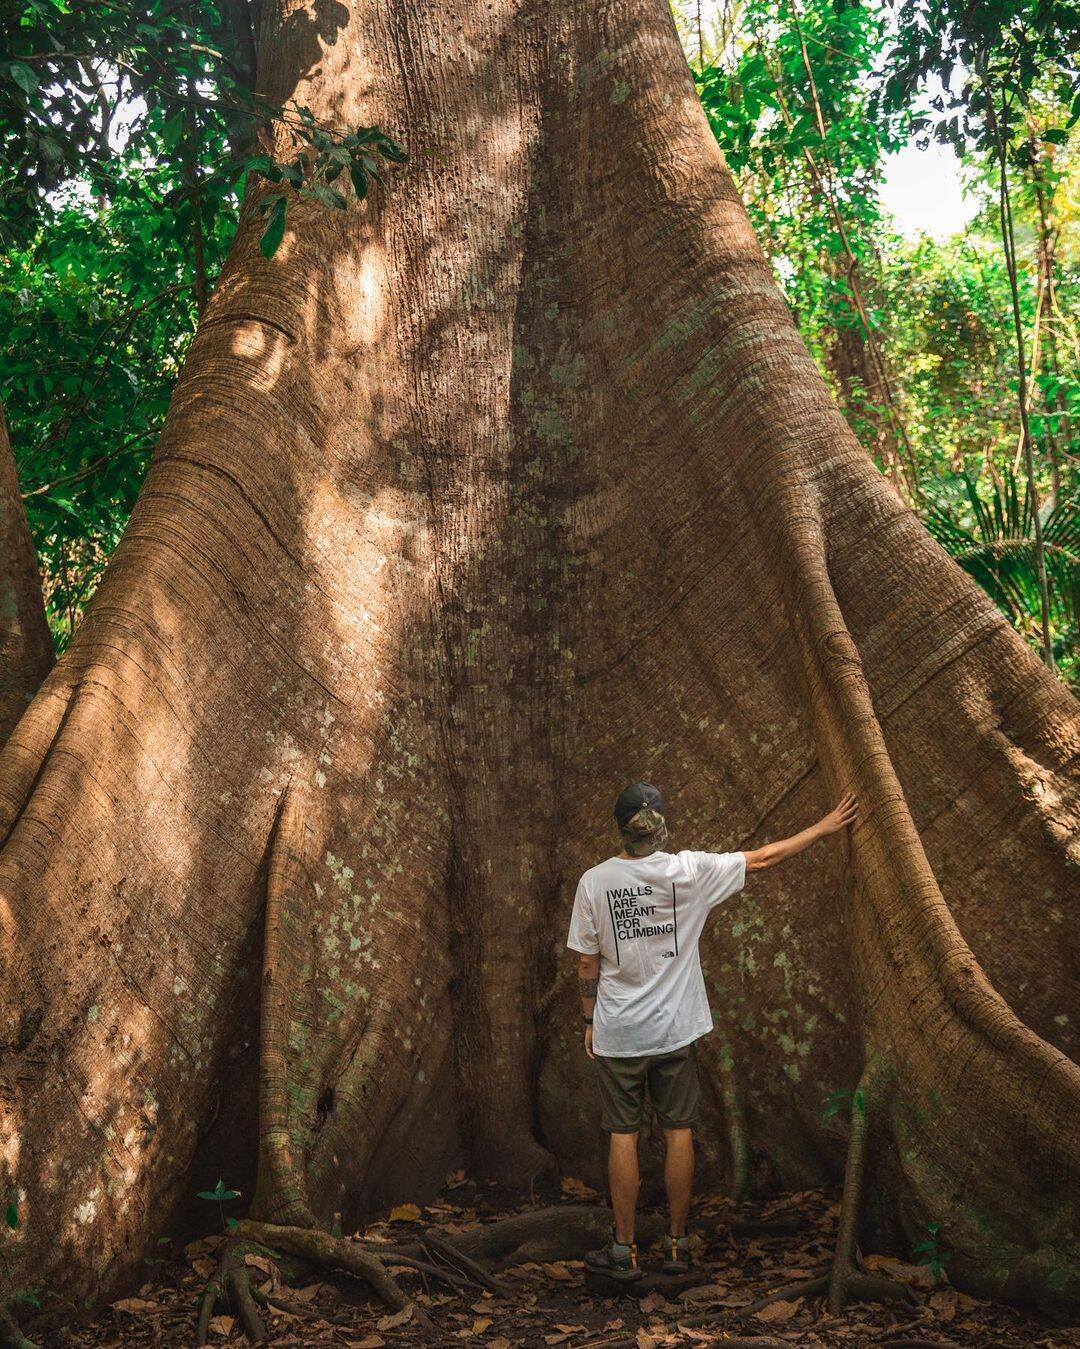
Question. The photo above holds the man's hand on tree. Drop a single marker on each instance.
(841, 815)
(588, 1042)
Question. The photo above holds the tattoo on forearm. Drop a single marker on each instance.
(588, 987)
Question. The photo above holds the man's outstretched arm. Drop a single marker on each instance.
(588, 971)
(841, 815)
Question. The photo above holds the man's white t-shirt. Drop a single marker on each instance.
(644, 916)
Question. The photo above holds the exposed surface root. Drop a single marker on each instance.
(297, 1309)
(788, 1293)
(231, 1283)
(549, 1294)
(281, 1194)
(336, 1253)
(439, 1245)
(650, 1282)
(846, 1282)
(561, 1232)
(855, 1286)
(441, 1273)
(11, 1337)
(738, 1142)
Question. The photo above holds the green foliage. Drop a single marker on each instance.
(127, 133)
(931, 1251)
(359, 154)
(221, 1195)
(790, 107)
(96, 310)
(916, 336)
(994, 542)
(179, 80)
(982, 62)
(836, 1103)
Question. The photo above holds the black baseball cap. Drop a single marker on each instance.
(632, 799)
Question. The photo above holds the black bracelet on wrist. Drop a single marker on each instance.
(587, 1020)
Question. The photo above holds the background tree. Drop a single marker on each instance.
(857, 81)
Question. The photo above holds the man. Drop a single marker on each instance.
(636, 923)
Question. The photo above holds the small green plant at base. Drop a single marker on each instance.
(221, 1195)
(26, 1296)
(836, 1102)
(931, 1251)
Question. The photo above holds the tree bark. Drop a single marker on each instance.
(471, 507)
(26, 645)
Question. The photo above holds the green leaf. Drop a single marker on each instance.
(391, 150)
(329, 196)
(359, 181)
(275, 230)
(173, 130)
(11, 1216)
(23, 76)
(219, 1193)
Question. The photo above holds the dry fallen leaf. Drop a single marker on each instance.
(704, 1292)
(222, 1325)
(652, 1302)
(204, 1268)
(138, 1306)
(499, 1342)
(306, 1294)
(368, 1342)
(481, 1324)
(920, 1275)
(570, 1330)
(405, 1213)
(557, 1272)
(556, 1338)
(571, 1186)
(397, 1319)
(779, 1311)
(645, 1340)
(943, 1304)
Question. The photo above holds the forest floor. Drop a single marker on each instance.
(746, 1252)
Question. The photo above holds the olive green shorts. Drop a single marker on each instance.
(672, 1080)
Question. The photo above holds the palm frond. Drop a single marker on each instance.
(997, 548)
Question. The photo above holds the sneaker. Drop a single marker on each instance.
(677, 1256)
(615, 1261)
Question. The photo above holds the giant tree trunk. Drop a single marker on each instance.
(26, 645)
(469, 509)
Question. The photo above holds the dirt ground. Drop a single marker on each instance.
(746, 1252)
